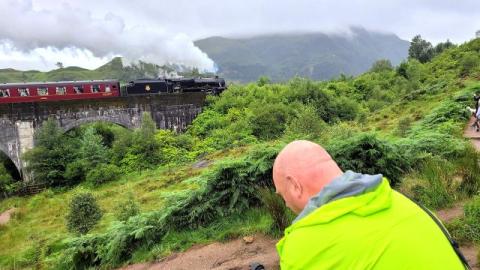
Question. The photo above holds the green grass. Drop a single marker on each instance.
(40, 219)
(39, 223)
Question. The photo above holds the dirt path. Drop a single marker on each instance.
(5, 216)
(233, 255)
(470, 252)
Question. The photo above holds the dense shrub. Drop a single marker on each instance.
(269, 122)
(84, 213)
(127, 208)
(76, 171)
(366, 153)
(305, 124)
(103, 173)
(443, 145)
(7, 184)
(49, 159)
(403, 126)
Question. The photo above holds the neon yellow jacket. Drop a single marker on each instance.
(380, 229)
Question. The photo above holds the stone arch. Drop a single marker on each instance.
(78, 122)
(9, 143)
(15, 161)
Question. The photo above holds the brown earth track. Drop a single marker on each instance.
(469, 251)
(233, 255)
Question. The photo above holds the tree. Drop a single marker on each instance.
(59, 65)
(127, 208)
(84, 213)
(440, 47)
(420, 49)
(263, 80)
(381, 65)
(143, 152)
(52, 152)
(6, 182)
(92, 149)
(468, 63)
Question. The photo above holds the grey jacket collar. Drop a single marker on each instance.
(348, 184)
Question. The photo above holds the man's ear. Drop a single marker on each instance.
(295, 187)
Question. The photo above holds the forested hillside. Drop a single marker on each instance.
(312, 55)
(152, 192)
(115, 69)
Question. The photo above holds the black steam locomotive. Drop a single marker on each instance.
(178, 85)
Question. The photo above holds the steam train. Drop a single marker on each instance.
(74, 90)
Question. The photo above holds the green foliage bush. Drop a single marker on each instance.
(49, 159)
(92, 151)
(269, 122)
(7, 184)
(381, 65)
(305, 124)
(403, 126)
(84, 213)
(103, 173)
(365, 153)
(127, 208)
(137, 150)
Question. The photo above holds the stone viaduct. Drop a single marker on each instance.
(19, 121)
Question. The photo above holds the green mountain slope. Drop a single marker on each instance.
(314, 55)
(115, 69)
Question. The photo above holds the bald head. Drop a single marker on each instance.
(301, 170)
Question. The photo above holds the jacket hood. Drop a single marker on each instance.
(359, 194)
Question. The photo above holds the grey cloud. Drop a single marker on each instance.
(162, 30)
(69, 26)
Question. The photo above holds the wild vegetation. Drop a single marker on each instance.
(213, 182)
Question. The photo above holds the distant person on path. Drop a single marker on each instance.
(476, 98)
(351, 220)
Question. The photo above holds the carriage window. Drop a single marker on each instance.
(61, 90)
(23, 92)
(107, 88)
(5, 93)
(42, 91)
(78, 89)
(95, 88)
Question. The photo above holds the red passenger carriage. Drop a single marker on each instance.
(50, 91)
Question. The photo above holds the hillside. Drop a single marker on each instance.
(314, 55)
(115, 69)
(213, 182)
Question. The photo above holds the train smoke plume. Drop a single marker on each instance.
(28, 29)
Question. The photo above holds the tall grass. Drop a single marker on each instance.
(282, 216)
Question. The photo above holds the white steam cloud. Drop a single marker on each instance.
(67, 29)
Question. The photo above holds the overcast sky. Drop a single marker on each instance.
(35, 34)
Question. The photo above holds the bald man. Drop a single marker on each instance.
(351, 220)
